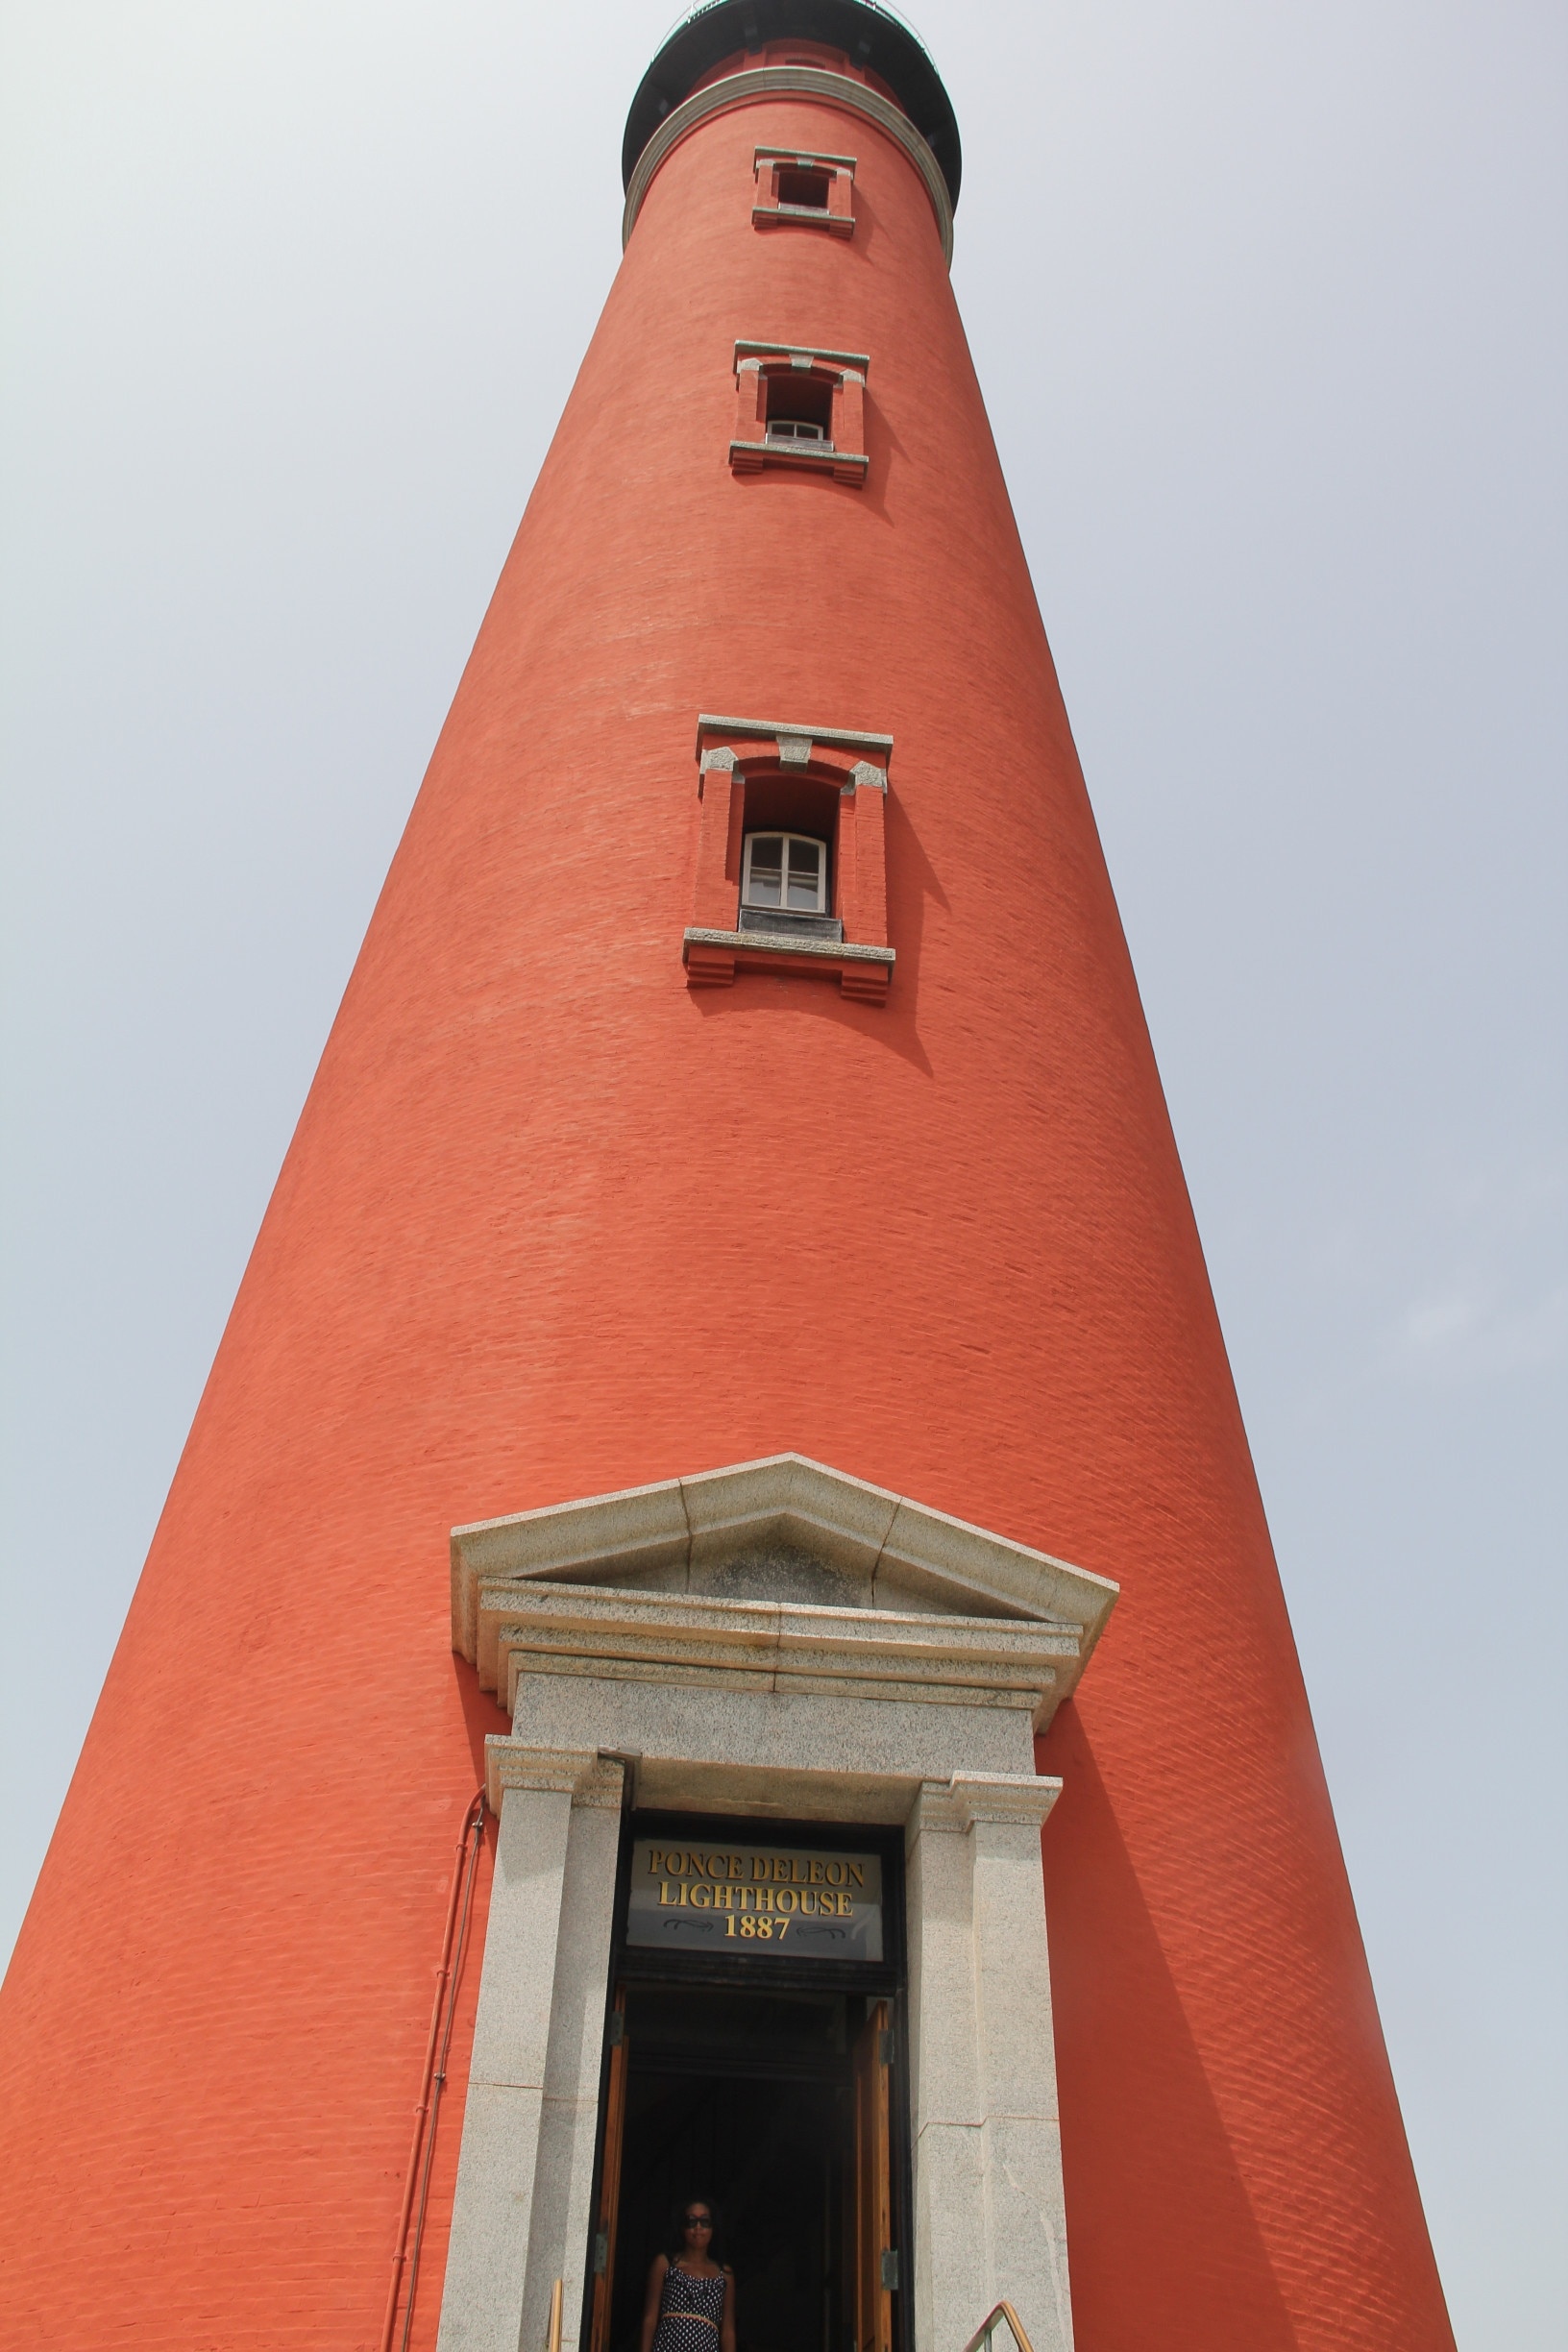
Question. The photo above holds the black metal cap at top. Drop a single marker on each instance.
(869, 35)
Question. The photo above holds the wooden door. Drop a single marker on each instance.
(875, 2261)
(609, 2183)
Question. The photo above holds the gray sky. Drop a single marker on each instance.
(1268, 309)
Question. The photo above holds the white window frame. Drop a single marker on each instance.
(778, 833)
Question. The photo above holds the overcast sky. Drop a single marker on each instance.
(1268, 307)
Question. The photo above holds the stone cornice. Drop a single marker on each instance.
(791, 82)
(538, 1628)
(806, 162)
(798, 736)
(753, 354)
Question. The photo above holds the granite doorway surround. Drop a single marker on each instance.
(775, 1640)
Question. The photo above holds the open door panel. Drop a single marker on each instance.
(609, 2191)
(873, 2252)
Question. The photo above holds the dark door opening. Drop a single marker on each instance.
(774, 2104)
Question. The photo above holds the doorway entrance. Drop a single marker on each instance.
(767, 2085)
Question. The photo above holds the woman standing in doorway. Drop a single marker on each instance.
(690, 2303)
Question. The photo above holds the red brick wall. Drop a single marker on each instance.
(552, 1224)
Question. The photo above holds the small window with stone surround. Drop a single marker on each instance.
(803, 409)
(791, 858)
(803, 191)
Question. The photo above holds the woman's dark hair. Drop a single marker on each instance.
(678, 2225)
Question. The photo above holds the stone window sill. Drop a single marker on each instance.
(789, 924)
(713, 958)
(805, 217)
(811, 456)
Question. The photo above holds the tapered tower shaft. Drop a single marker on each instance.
(607, 1179)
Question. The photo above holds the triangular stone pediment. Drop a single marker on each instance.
(784, 1532)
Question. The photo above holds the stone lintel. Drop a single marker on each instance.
(681, 1785)
(699, 1784)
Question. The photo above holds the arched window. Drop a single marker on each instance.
(787, 871)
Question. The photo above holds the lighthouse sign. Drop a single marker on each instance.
(790, 1901)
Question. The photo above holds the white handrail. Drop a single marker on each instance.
(984, 2333)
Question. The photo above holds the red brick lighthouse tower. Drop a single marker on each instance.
(737, 1198)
